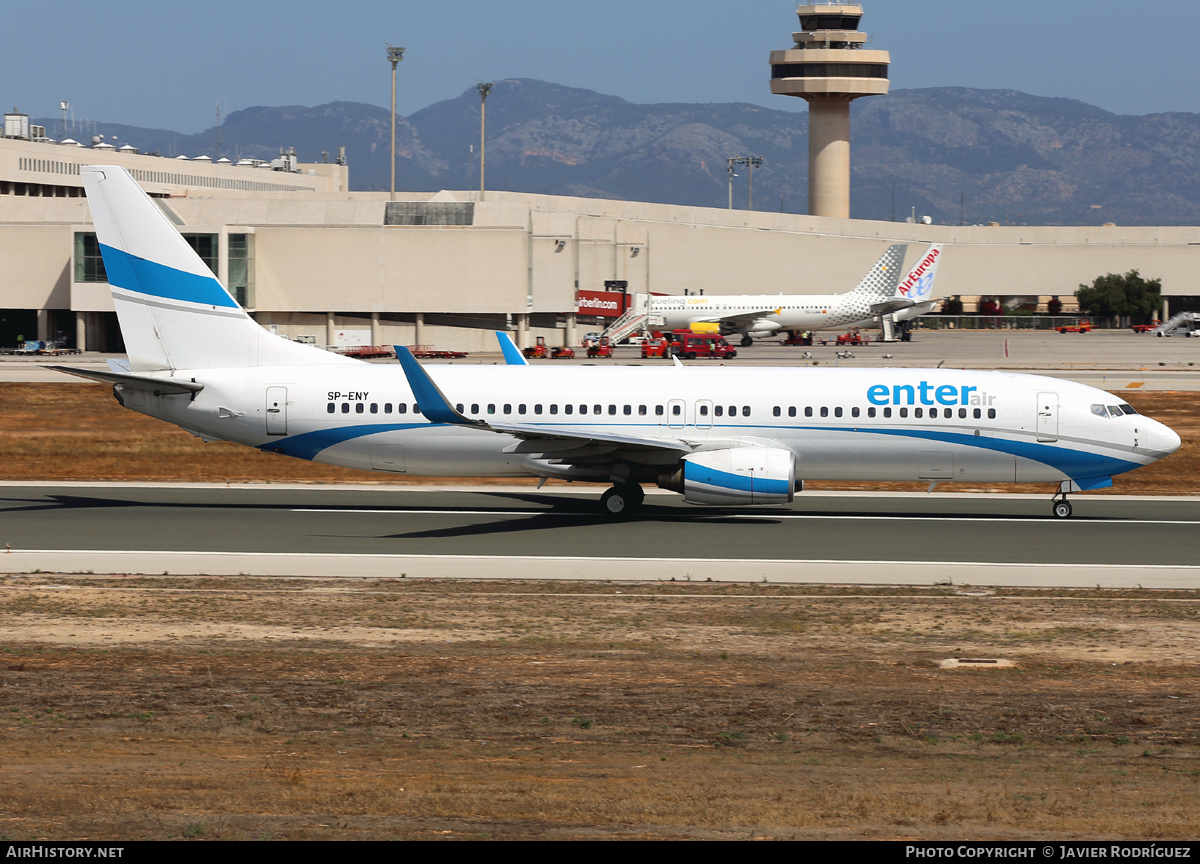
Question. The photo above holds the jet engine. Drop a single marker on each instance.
(735, 476)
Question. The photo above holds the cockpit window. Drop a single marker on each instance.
(1128, 409)
(1099, 410)
(1115, 411)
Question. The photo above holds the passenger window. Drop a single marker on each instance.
(521, 408)
(387, 407)
(676, 410)
(837, 412)
(777, 411)
(745, 410)
(887, 413)
(416, 409)
(568, 409)
(642, 410)
(792, 411)
(491, 407)
(628, 410)
(719, 410)
(991, 413)
(597, 409)
(507, 408)
(903, 412)
(459, 407)
(612, 409)
(808, 411)
(854, 411)
(402, 408)
(824, 411)
(978, 413)
(330, 408)
(658, 410)
(537, 409)
(359, 407)
(553, 409)
(345, 407)
(474, 408)
(871, 412)
(917, 412)
(703, 410)
(962, 413)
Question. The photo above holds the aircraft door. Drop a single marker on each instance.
(676, 414)
(1047, 417)
(276, 410)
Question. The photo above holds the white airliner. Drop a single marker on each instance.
(881, 292)
(723, 436)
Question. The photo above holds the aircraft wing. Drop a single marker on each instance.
(739, 321)
(437, 408)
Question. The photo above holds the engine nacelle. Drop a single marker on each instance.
(739, 475)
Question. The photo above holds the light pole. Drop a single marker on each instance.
(395, 55)
(731, 161)
(751, 162)
(484, 90)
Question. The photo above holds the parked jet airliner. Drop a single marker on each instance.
(881, 292)
(721, 435)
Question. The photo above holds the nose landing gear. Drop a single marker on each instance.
(1061, 506)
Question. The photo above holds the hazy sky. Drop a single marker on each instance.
(161, 64)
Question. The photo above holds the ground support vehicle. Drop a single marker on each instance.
(1081, 327)
(602, 348)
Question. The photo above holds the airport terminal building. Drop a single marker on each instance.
(312, 259)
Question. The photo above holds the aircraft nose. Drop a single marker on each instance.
(1164, 439)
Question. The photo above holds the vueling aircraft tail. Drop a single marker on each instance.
(882, 279)
(174, 313)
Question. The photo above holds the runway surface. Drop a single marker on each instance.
(519, 532)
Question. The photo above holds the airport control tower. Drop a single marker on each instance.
(829, 68)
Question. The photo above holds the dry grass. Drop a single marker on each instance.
(223, 709)
(79, 432)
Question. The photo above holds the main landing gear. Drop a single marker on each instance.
(622, 500)
(746, 341)
(1061, 506)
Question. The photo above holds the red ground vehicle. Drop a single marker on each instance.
(1143, 328)
(689, 345)
(852, 339)
(562, 353)
(538, 351)
(603, 348)
(1081, 327)
(657, 345)
(797, 337)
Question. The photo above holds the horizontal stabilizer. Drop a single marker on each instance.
(156, 386)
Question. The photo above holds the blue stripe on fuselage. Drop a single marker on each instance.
(308, 444)
(1073, 463)
(146, 277)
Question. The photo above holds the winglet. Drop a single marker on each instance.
(430, 399)
(512, 354)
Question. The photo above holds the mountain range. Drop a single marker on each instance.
(956, 154)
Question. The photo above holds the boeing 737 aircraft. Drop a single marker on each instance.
(881, 292)
(723, 436)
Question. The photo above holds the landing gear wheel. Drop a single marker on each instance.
(622, 501)
(1062, 509)
(747, 341)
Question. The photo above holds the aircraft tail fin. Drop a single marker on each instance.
(174, 313)
(882, 279)
(917, 285)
